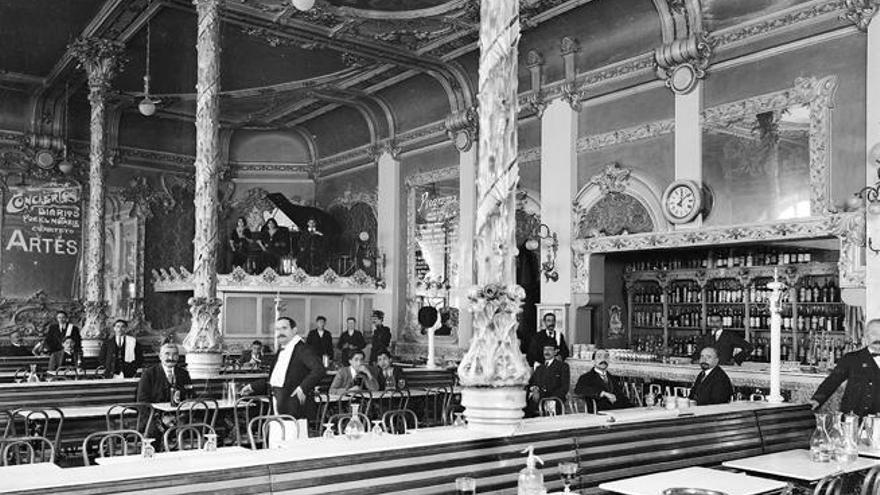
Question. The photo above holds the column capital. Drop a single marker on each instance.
(683, 62)
(386, 146)
(101, 58)
(461, 127)
(860, 13)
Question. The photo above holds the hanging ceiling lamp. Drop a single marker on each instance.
(147, 106)
(303, 5)
(65, 165)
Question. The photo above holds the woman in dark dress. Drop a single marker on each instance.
(275, 244)
(239, 243)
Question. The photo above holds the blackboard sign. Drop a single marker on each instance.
(42, 240)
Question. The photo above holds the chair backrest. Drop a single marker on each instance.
(636, 394)
(581, 405)
(341, 420)
(197, 411)
(45, 422)
(392, 399)
(98, 373)
(399, 421)
(830, 485)
(130, 416)
(21, 374)
(26, 450)
(260, 425)
(871, 483)
(187, 436)
(551, 406)
(112, 443)
(246, 408)
(437, 402)
(67, 372)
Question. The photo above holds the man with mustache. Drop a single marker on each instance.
(158, 380)
(712, 385)
(598, 384)
(861, 371)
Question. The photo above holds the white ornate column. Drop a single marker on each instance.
(388, 234)
(461, 127)
(776, 287)
(101, 60)
(204, 342)
(559, 133)
(872, 139)
(689, 140)
(493, 372)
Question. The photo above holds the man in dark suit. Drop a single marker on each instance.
(550, 379)
(390, 377)
(66, 357)
(546, 335)
(712, 385)
(17, 347)
(296, 373)
(254, 357)
(861, 371)
(598, 384)
(351, 339)
(381, 336)
(158, 380)
(725, 342)
(320, 340)
(121, 355)
(355, 377)
(56, 333)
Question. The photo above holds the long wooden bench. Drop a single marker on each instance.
(606, 452)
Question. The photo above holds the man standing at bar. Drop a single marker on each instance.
(351, 340)
(712, 385)
(320, 340)
(297, 371)
(599, 385)
(547, 335)
(861, 371)
(725, 342)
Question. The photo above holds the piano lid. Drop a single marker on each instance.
(299, 215)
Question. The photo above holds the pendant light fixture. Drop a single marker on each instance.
(65, 165)
(303, 5)
(147, 106)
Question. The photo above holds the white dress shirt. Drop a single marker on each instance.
(279, 372)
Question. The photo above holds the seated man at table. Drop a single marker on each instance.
(66, 357)
(355, 377)
(16, 347)
(598, 384)
(550, 379)
(120, 355)
(157, 382)
(712, 385)
(253, 357)
(388, 376)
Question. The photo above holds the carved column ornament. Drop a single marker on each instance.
(860, 13)
(461, 127)
(683, 62)
(389, 146)
(613, 178)
(204, 337)
(571, 93)
(101, 60)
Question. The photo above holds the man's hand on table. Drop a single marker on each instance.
(608, 395)
(299, 394)
(247, 390)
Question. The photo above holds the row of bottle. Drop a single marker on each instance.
(816, 291)
(730, 258)
(648, 318)
(730, 291)
(648, 293)
(724, 291)
(686, 317)
(685, 293)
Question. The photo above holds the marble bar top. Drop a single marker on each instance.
(319, 448)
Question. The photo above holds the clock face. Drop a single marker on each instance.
(681, 201)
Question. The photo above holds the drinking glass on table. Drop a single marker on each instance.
(377, 430)
(459, 422)
(328, 431)
(568, 472)
(465, 486)
(210, 443)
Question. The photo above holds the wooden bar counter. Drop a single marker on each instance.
(427, 461)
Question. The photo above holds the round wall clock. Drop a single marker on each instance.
(682, 201)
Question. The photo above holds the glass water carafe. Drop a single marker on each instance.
(869, 433)
(820, 442)
(355, 427)
(847, 449)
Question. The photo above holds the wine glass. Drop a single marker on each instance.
(147, 449)
(378, 430)
(328, 431)
(465, 486)
(459, 422)
(210, 442)
(568, 472)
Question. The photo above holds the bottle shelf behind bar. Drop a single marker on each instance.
(670, 298)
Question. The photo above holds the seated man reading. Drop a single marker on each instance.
(355, 377)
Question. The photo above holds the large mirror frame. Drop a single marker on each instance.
(413, 182)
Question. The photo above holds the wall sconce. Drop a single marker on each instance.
(869, 196)
(543, 233)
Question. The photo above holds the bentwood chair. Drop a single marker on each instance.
(581, 405)
(261, 426)
(45, 422)
(399, 421)
(244, 410)
(187, 437)
(390, 400)
(136, 416)
(26, 450)
(197, 411)
(551, 406)
(341, 420)
(112, 443)
(871, 483)
(830, 485)
(363, 399)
